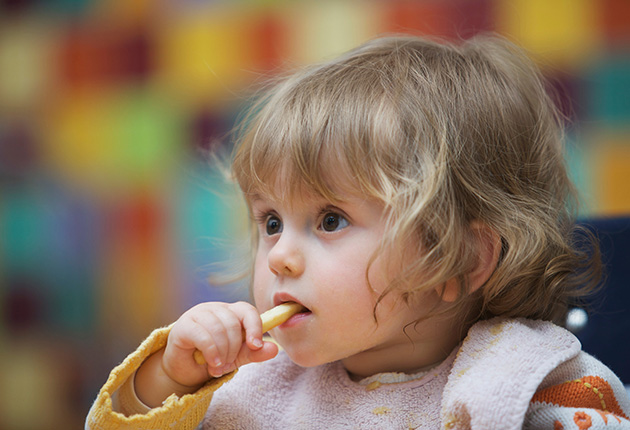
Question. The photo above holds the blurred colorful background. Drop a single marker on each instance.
(111, 216)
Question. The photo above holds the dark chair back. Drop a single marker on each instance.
(606, 334)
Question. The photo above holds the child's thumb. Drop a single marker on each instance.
(268, 351)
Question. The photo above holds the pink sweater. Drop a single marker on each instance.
(324, 397)
(488, 383)
(508, 374)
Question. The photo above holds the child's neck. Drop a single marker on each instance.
(423, 370)
(411, 356)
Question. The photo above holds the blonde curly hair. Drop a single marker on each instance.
(443, 134)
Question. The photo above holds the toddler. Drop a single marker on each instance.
(412, 196)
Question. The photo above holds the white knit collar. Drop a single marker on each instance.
(394, 377)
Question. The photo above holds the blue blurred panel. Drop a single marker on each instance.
(75, 251)
(50, 248)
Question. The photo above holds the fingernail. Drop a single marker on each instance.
(257, 342)
(220, 371)
(217, 362)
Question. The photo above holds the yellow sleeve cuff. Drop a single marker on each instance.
(184, 412)
(126, 401)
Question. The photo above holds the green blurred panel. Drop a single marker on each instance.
(22, 230)
(580, 172)
(208, 208)
(609, 91)
(71, 7)
(73, 304)
(146, 136)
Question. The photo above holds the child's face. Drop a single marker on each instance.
(317, 253)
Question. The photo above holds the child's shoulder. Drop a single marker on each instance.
(502, 347)
(519, 352)
(521, 335)
(507, 369)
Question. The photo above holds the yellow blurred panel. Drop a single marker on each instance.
(79, 141)
(31, 375)
(137, 267)
(324, 29)
(135, 291)
(564, 31)
(205, 54)
(25, 58)
(613, 179)
(105, 141)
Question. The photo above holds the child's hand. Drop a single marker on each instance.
(217, 330)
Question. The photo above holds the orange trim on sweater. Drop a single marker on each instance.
(588, 392)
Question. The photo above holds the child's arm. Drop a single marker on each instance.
(217, 330)
(172, 348)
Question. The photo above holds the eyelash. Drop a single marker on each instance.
(262, 217)
(331, 211)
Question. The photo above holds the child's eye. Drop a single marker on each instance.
(333, 221)
(273, 225)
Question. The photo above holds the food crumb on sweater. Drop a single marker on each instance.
(381, 410)
(373, 385)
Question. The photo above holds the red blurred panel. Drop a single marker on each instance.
(268, 34)
(448, 18)
(418, 17)
(474, 16)
(100, 55)
(208, 129)
(139, 223)
(615, 21)
(565, 91)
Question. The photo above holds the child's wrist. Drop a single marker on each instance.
(153, 385)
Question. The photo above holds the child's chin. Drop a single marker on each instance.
(303, 359)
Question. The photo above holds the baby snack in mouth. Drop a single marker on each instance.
(279, 314)
(270, 319)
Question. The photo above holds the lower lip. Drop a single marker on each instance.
(295, 320)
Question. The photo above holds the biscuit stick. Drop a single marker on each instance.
(270, 319)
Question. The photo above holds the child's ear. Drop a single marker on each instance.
(488, 248)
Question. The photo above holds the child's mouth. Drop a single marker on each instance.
(297, 317)
(281, 313)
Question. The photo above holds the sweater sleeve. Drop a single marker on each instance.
(581, 393)
(184, 412)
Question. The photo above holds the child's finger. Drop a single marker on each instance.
(228, 335)
(251, 324)
(222, 326)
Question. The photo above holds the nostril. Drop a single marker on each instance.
(286, 264)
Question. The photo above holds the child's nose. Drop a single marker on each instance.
(285, 258)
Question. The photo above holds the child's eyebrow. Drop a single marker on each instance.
(254, 198)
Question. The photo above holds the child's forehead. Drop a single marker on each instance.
(328, 178)
(287, 190)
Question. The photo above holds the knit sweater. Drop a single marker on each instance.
(508, 374)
